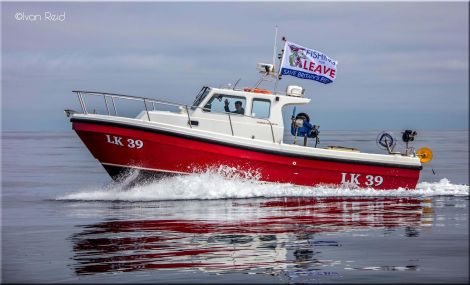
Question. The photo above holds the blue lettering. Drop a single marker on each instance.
(304, 75)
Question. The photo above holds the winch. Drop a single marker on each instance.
(301, 127)
(385, 140)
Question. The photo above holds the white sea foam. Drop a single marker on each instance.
(225, 183)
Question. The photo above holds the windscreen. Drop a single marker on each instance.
(200, 96)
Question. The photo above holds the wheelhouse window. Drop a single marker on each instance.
(200, 96)
(226, 104)
(261, 108)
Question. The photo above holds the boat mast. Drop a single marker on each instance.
(275, 49)
(267, 71)
(280, 55)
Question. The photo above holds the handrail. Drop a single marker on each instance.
(146, 100)
(129, 97)
(230, 121)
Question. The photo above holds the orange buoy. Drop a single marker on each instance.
(257, 90)
(424, 154)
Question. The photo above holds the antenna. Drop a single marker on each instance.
(280, 55)
(268, 71)
(275, 49)
(236, 83)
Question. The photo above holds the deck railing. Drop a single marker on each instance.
(109, 101)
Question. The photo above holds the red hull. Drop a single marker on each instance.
(163, 152)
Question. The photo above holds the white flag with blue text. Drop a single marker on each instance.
(307, 63)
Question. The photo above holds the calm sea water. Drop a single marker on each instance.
(63, 220)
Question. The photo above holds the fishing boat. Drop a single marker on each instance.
(243, 129)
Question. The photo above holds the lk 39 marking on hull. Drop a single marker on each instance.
(371, 180)
(130, 143)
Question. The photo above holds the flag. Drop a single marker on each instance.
(307, 63)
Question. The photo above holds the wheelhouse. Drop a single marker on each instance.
(261, 117)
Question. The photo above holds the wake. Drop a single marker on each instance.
(227, 183)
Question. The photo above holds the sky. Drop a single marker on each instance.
(401, 65)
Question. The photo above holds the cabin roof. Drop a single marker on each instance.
(282, 97)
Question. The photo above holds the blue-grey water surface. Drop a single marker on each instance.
(63, 220)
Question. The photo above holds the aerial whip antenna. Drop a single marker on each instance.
(275, 49)
(274, 62)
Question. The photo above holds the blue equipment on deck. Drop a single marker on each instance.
(301, 127)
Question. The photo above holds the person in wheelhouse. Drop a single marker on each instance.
(238, 107)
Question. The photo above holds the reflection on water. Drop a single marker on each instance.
(282, 234)
(386, 268)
